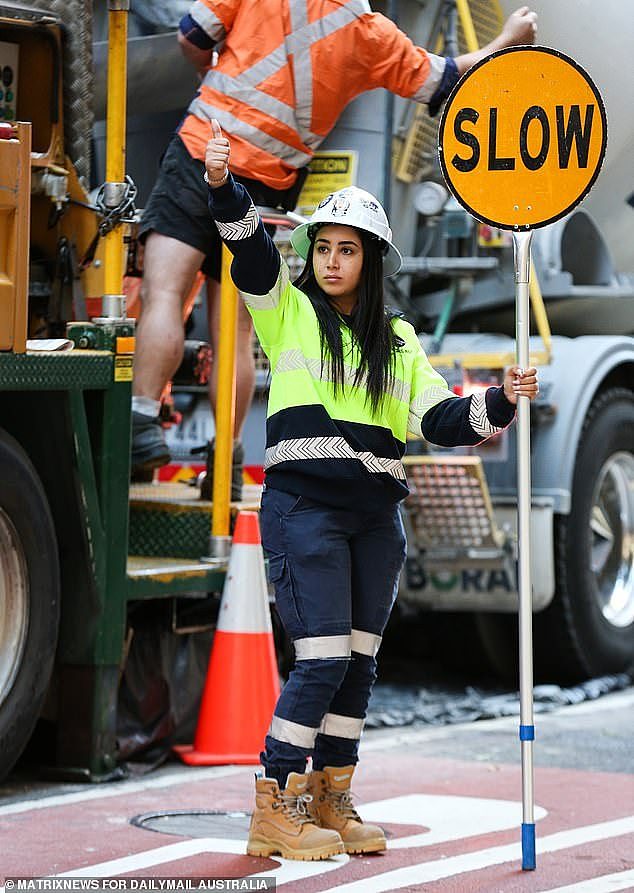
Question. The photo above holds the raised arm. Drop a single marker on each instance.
(418, 74)
(519, 29)
(256, 260)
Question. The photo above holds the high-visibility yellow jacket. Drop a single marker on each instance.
(287, 69)
(328, 445)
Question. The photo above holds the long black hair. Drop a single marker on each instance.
(370, 324)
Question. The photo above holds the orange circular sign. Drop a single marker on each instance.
(522, 137)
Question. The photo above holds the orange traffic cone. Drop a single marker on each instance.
(242, 685)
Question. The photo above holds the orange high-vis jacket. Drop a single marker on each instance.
(287, 69)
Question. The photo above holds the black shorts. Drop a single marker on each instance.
(177, 206)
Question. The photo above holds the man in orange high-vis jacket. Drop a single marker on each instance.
(285, 71)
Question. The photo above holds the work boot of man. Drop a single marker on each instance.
(281, 824)
(237, 461)
(332, 808)
(149, 449)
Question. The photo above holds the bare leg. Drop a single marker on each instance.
(169, 270)
(245, 363)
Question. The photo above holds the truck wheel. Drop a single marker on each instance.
(29, 599)
(588, 629)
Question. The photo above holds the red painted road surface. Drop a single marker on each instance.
(453, 826)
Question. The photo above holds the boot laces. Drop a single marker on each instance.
(295, 807)
(343, 804)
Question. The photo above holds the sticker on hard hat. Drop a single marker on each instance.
(522, 137)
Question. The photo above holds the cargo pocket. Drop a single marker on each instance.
(281, 577)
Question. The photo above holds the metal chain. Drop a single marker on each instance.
(123, 212)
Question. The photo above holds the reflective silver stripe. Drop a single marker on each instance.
(365, 643)
(294, 360)
(292, 732)
(239, 229)
(341, 726)
(320, 647)
(424, 402)
(291, 156)
(478, 418)
(270, 300)
(302, 448)
(327, 25)
(425, 93)
(266, 67)
(208, 21)
(302, 69)
(240, 88)
(300, 43)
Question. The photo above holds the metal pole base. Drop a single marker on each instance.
(219, 551)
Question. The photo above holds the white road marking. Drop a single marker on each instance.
(426, 872)
(448, 817)
(285, 872)
(621, 880)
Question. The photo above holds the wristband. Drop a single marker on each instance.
(219, 182)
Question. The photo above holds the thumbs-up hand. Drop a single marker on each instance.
(217, 157)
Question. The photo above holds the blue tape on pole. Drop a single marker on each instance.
(527, 733)
(528, 847)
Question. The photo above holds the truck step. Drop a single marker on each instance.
(171, 519)
(160, 576)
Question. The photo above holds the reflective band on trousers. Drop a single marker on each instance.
(364, 643)
(322, 647)
(341, 726)
(302, 448)
(292, 732)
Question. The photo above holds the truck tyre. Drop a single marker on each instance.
(29, 599)
(588, 629)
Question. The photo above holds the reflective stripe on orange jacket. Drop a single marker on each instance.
(286, 71)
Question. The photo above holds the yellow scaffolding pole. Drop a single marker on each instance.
(224, 409)
(115, 141)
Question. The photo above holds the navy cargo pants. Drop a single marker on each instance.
(335, 573)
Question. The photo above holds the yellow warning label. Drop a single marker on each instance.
(328, 171)
(123, 368)
(523, 137)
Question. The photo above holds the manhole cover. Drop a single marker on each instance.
(201, 823)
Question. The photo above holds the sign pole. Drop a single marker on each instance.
(521, 142)
(522, 256)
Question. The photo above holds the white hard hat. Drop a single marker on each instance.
(352, 207)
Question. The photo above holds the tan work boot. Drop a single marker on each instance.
(332, 808)
(281, 824)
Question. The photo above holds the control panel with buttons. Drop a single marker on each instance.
(9, 53)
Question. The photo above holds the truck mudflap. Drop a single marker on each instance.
(462, 548)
